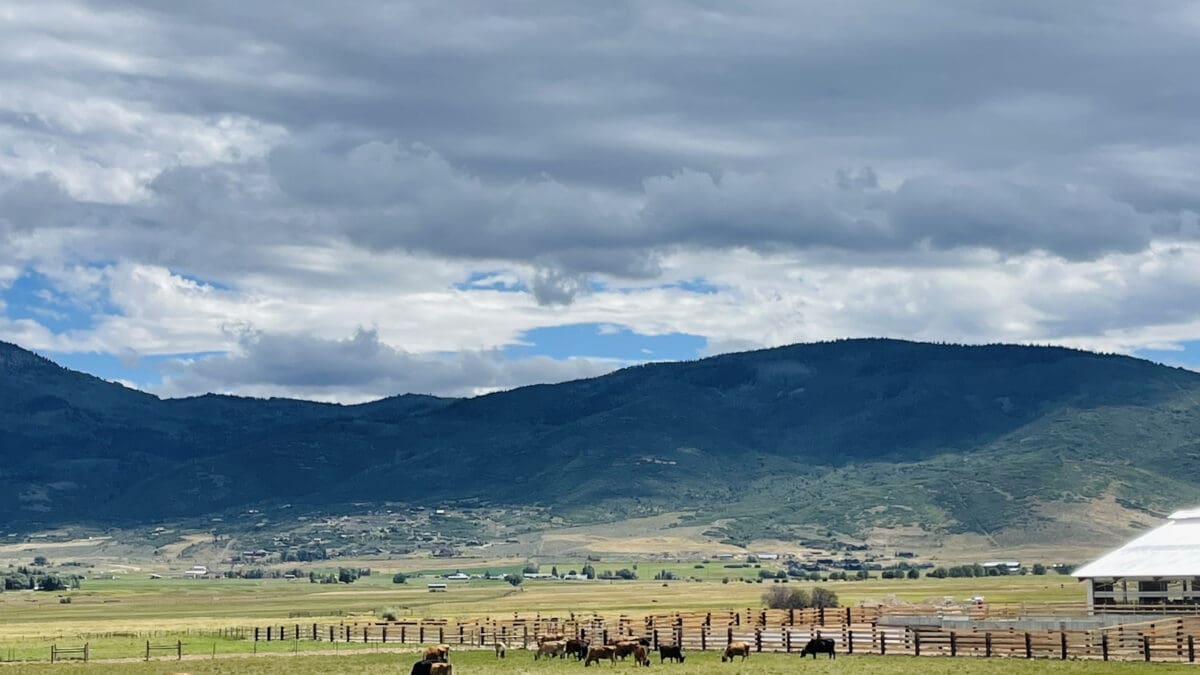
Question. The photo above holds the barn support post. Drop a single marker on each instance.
(1146, 648)
(1104, 646)
(953, 644)
(987, 644)
(1028, 646)
(1062, 637)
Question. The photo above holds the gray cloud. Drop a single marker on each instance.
(361, 367)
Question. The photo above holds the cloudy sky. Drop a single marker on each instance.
(342, 201)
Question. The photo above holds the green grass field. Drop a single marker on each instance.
(521, 663)
(116, 616)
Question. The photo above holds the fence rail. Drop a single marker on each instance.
(852, 630)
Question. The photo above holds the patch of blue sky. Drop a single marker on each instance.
(1188, 356)
(606, 341)
(33, 296)
(492, 281)
(204, 282)
(697, 285)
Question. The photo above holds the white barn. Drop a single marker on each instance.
(1161, 567)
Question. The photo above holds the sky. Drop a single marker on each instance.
(346, 201)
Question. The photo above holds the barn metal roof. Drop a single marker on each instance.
(1170, 550)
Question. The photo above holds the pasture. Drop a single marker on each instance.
(522, 663)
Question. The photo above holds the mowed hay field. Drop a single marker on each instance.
(522, 663)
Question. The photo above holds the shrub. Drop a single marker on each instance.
(399, 578)
(514, 579)
(823, 597)
(388, 614)
(785, 598)
(1039, 569)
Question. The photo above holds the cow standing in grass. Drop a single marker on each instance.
(736, 649)
(673, 652)
(818, 646)
(438, 653)
(550, 648)
(576, 647)
(596, 653)
(501, 649)
(640, 656)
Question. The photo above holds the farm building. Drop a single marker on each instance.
(1161, 567)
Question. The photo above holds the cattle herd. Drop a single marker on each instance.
(436, 660)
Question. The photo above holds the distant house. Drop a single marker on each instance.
(458, 576)
(197, 572)
(1012, 566)
(1161, 567)
(538, 575)
(767, 556)
(724, 556)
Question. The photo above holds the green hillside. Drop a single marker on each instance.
(1005, 441)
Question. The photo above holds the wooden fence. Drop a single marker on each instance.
(853, 631)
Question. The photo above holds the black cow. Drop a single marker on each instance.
(673, 652)
(577, 648)
(422, 667)
(818, 646)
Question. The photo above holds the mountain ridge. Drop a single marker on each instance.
(951, 438)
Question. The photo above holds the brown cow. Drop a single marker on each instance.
(441, 669)
(596, 653)
(625, 648)
(736, 649)
(551, 649)
(640, 657)
(437, 653)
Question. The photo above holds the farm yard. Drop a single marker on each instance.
(214, 623)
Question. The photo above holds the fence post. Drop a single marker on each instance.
(365, 629)
(1146, 648)
(758, 639)
(953, 644)
(849, 642)
(1062, 636)
(147, 650)
(269, 633)
(421, 634)
(441, 635)
(179, 650)
(655, 639)
(1191, 649)
(987, 644)
(1104, 646)
(1028, 646)
(385, 635)
(882, 642)
(848, 621)
(403, 638)
(296, 635)
(916, 643)
(728, 636)
(821, 615)
(256, 633)
(314, 632)
(460, 634)
(86, 651)
(704, 638)
(331, 634)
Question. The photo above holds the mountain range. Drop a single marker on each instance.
(1013, 443)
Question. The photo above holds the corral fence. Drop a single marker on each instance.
(853, 630)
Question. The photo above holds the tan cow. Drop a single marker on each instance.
(550, 649)
(437, 653)
(736, 649)
(596, 653)
(441, 669)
